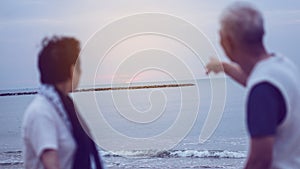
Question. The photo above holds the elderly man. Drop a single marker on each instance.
(273, 111)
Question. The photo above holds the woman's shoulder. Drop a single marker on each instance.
(39, 107)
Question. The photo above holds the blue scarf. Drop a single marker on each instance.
(66, 109)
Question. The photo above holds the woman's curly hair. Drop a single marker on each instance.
(55, 59)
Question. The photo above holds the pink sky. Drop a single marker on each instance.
(23, 24)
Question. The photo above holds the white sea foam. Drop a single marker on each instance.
(11, 158)
(133, 153)
(178, 154)
(208, 154)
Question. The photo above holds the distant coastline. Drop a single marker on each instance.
(17, 93)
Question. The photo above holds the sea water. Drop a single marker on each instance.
(226, 148)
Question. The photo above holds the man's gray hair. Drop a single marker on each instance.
(243, 22)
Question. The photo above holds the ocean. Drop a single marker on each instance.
(226, 148)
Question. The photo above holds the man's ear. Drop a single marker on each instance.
(228, 45)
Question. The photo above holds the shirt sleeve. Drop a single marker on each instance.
(266, 109)
(43, 134)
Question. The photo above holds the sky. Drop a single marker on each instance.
(23, 24)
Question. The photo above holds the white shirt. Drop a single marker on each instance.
(283, 74)
(43, 129)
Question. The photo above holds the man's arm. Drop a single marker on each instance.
(261, 150)
(231, 69)
(235, 72)
(49, 159)
(265, 111)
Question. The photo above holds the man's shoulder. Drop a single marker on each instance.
(277, 69)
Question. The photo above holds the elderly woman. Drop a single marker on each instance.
(52, 134)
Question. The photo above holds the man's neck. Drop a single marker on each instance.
(252, 57)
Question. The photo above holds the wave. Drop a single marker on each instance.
(177, 154)
(15, 158)
(11, 158)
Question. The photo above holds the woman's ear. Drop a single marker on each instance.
(75, 75)
(72, 69)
